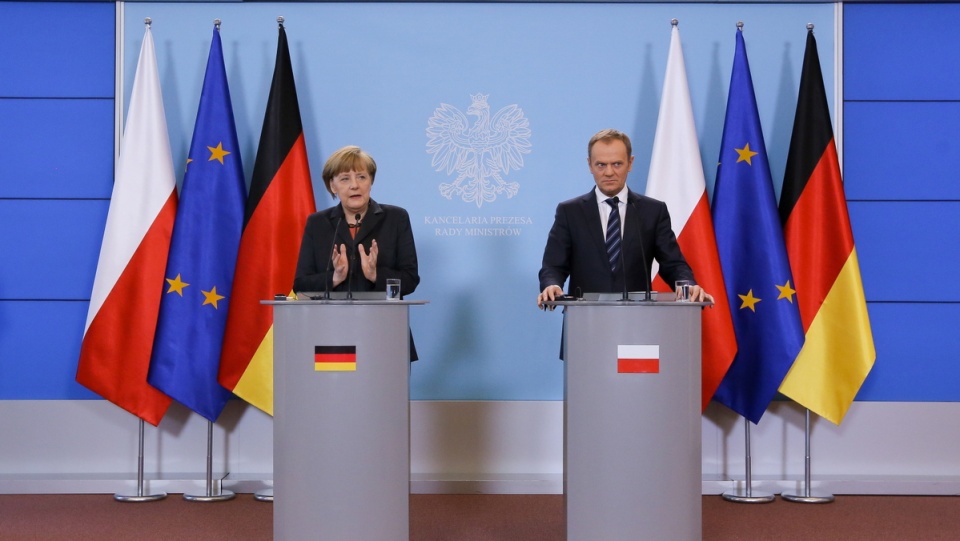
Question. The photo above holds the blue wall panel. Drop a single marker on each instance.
(54, 151)
(39, 348)
(901, 163)
(50, 248)
(896, 240)
(59, 148)
(901, 51)
(917, 347)
(902, 150)
(57, 49)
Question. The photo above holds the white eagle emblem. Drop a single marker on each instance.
(479, 153)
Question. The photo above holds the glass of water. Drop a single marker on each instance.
(683, 289)
(393, 289)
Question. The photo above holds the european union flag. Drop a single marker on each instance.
(203, 254)
(755, 266)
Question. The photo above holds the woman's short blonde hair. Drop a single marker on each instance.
(348, 158)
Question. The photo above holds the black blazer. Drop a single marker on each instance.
(397, 256)
(575, 247)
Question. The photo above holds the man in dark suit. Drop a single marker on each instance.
(580, 246)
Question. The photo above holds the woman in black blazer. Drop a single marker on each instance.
(358, 244)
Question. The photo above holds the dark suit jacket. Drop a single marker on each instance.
(575, 247)
(397, 256)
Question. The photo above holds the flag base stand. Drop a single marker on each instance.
(140, 496)
(264, 495)
(807, 495)
(211, 495)
(220, 496)
(808, 498)
(746, 494)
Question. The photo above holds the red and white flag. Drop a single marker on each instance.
(638, 359)
(676, 178)
(124, 304)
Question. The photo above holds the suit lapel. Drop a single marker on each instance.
(591, 219)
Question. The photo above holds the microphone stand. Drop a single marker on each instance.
(646, 274)
(643, 256)
(623, 269)
(625, 295)
(353, 257)
(333, 245)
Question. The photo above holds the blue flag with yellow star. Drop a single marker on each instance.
(203, 254)
(756, 270)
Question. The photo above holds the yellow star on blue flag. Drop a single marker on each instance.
(745, 154)
(752, 254)
(206, 239)
(217, 153)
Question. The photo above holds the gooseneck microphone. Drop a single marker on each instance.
(623, 261)
(626, 294)
(333, 246)
(646, 268)
(353, 257)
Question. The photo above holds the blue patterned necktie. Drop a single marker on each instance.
(613, 233)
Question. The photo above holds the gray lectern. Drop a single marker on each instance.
(341, 440)
(632, 421)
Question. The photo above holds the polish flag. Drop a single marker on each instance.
(125, 302)
(639, 359)
(676, 178)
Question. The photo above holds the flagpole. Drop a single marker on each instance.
(211, 496)
(745, 494)
(140, 496)
(807, 496)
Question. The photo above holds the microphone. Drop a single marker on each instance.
(623, 262)
(643, 256)
(333, 245)
(353, 258)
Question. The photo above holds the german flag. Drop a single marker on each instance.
(280, 200)
(335, 358)
(838, 352)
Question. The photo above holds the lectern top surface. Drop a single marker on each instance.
(620, 302)
(345, 302)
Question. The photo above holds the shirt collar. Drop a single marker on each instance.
(602, 199)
